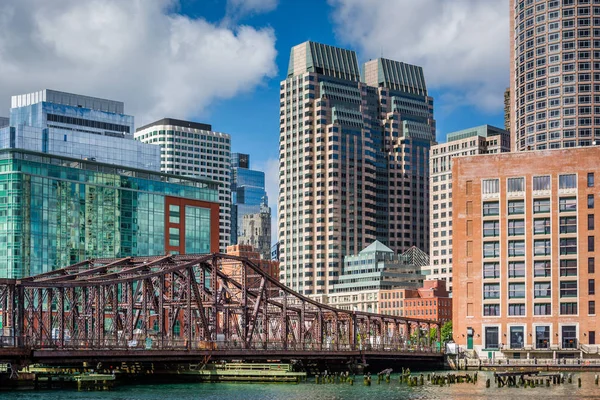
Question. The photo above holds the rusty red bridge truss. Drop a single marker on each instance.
(186, 304)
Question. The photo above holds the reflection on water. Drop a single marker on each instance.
(310, 391)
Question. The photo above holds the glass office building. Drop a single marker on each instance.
(76, 126)
(56, 211)
(248, 195)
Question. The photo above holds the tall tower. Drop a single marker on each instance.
(353, 162)
(555, 70)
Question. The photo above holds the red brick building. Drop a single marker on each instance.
(431, 302)
(525, 253)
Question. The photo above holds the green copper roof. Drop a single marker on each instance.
(376, 246)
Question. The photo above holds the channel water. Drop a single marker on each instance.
(330, 391)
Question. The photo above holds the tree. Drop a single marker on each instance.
(447, 331)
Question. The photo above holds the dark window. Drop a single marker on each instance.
(590, 201)
(592, 337)
(491, 337)
(87, 123)
(568, 224)
(591, 243)
(568, 289)
(569, 336)
(568, 246)
(516, 269)
(542, 337)
(516, 309)
(591, 265)
(516, 207)
(590, 222)
(591, 307)
(568, 267)
(591, 286)
(541, 206)
(590, 179)
(568, 308)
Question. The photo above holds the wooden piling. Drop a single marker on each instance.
(487, 383)
(579, 381)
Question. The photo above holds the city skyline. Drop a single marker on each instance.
(474, 72)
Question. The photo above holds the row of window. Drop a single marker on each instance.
(540, 290)
(539, 309)
(540, 206)
(516, 185)
(516, 248)
(541, 226)
(541, 268)
(542, 337)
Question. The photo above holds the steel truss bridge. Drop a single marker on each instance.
(183, 307)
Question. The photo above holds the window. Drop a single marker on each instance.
(567, 204)
(591, 243)
(591, 265)
(591, 307)
(541, 290)
(542, 268)
(568, 246)
(541, 183)
(591, 286)
(590, 179)
(491, 291)
(516, 207)
(568, 224)
(491, 208)
(541, 206)
(516, 269)
(516, 332)
(491, 270)
(568, 289)
(569, 337)
(491, 249)
(541, 226)
(515, 185)
(542, 337)
(490, 186)
(541, 247)
(491, 337)
(590, 222)
(568, 308)
(590, 201)
(567, 181)
(516, 227)
(516, 290)
(491, 310)
(491, 228)
(542, 309)
(516, 248)
(568, 267)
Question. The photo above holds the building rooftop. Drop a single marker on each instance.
(177, 122)
(481, 130)
(376, 246)
(68, 99)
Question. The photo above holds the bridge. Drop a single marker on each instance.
(180, 308)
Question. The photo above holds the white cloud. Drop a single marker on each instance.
(138, 51)
(271, 169)
(239, 8)
(463, 45)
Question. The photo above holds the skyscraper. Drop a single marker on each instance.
(555, 73)
(194, 149)
(484, 139)
(353, 161)
(247, 195)
(77, 126)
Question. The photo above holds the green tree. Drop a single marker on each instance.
(447, 331)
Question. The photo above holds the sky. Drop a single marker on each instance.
(221, 61)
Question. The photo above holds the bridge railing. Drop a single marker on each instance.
(182, 344)
(14, 341)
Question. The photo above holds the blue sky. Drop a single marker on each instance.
(221, 61)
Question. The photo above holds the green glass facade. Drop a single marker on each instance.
(57, 211)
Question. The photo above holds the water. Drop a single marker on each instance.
(312, 391)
